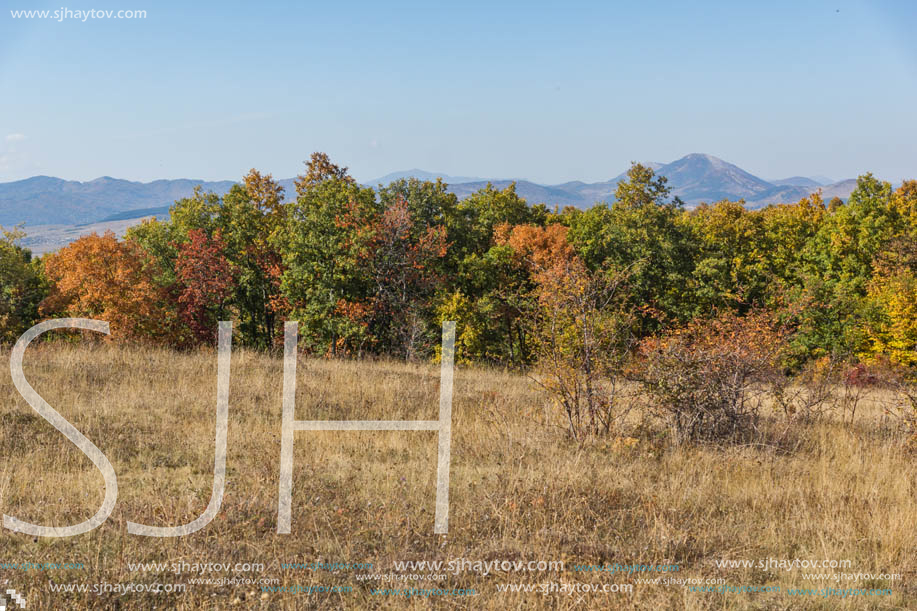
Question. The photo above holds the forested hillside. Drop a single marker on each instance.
(376, 271)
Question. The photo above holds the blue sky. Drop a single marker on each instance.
(546, 91)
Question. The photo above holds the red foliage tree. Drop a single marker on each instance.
(399, 265)
(207, 278)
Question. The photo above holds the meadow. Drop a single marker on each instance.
(843, 487)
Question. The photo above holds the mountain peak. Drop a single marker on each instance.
(700, 177)
(716, 162)
(798, 181)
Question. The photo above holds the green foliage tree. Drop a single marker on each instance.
(491, 295)
(731, 270)
(484, 210)
(838, 264)
(891, 326)
(22, 286)
(641, 232)
(250, 218)
(429, 204)
(787, 230)
(159, 240)
(849, 239)
(319, 243)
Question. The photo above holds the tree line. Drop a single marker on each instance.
(375, 271)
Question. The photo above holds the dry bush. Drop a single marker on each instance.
(708, 380)
(809, 394)
(900, 382)
(583, 340)
(857, 384)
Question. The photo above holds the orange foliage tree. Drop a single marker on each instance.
(539, 248)
(582, 328)
(102, 278)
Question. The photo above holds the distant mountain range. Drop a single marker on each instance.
(695, 178)
(423, 175)
(44, 200)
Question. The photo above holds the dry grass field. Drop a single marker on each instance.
(520, 490)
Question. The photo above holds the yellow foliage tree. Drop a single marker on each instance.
(892, 292)
(893, 330)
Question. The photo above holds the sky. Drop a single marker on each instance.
(548, 91)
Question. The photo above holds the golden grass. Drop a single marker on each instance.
(520, 489)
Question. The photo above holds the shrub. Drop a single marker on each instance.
(808, 394)
(901, 403)
(583, 339)
(860, 376)
(708, 379)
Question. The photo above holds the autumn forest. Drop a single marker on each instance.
(571, 293)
